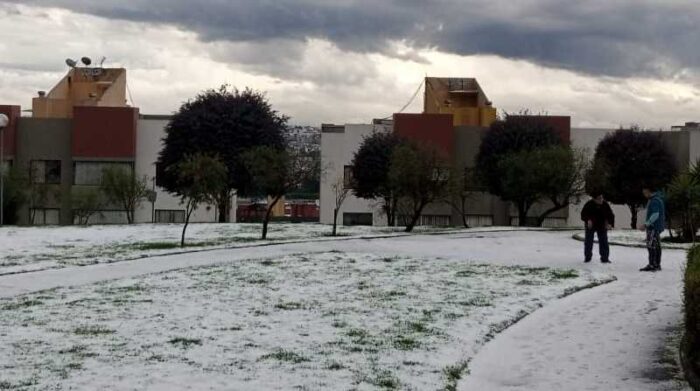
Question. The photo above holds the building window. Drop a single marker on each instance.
(103, 217)
(45, 171)
(348, 179)
(44, 216)
(90, 173)
(160, 171)
(357, 219)
(170, 216)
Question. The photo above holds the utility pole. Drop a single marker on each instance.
(4, 120)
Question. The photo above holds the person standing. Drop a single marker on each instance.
(654, 225)
(598, 218)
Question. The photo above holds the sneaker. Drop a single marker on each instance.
(605, 261)
(657, 268)
(647, 268)
(586, 260)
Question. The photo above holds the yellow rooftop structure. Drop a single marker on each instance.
(461, 97)
(82, 86)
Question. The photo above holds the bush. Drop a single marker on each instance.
(692, 310)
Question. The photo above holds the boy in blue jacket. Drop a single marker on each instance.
(654, 225)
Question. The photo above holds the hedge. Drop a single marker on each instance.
(690, 351)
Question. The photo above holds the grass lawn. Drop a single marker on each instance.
(314, 321)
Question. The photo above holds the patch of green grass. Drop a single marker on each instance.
(268, 262)
(289, 306)
(185, 342)
(155, 246)
(335, 366)
(403, 342)
(384, 379)
(339, 324)
(22, 304)
(6, 385)
(453, 373)
(564, 274)
(477, 302)
(92, 330)
(466, 273)
(285, 356)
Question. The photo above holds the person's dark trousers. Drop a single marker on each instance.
(654, 247)
(603, 245)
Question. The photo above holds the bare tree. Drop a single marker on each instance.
(340, 190)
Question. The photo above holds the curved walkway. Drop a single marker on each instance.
(608, 338)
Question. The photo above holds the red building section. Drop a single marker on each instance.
(10, 132)
(104, 132)
(561, 124)
(432, 130)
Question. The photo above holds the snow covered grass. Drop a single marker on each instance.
(24, 249)
(309, 321)
(635, 238)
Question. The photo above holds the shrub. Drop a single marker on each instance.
(692, 308)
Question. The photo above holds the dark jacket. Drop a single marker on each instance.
(601, 215)
(656, 213)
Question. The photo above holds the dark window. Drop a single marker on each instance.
(90, 173)
(170, 216)
(45, 171)
(347, 177)
(160, 171)
(357, 219)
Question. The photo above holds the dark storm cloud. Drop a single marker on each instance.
(613, 37)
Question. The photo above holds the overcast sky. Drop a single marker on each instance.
(604, 62)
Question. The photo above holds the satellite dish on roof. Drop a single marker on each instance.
(86, 60)
(71, 63)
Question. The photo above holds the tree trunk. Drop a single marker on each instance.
(335, 221)
(463, 211)
(266, 220)
(224, 207)
(522, 214)
(188, 212)
(541, 218)
(633, 212)
(414, 219)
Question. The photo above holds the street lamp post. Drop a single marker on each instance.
(4, 120)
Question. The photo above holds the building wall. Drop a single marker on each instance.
(338, 146)
(149, 142)
(428, 130)
(104, 132)
(9, 133)
(47, 139)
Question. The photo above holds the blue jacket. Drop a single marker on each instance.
(656, 213)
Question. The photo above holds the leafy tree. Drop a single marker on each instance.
(122, 187)
(370, 171)
(341, 192)
(512, 135)
(683, 198)
(14, 194)
(201, 179)
(418, 177)
(275, 172)
(86, 202)
(459, 186)
(626, 161)
(225, 122)
(564, 178)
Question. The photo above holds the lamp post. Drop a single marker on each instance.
(4, 120)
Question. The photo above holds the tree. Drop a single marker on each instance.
(683, 199)
(85, 202)
(341, 192)
(225, 123)
(122, 187)
(201, 179)
(628, 160)
(512, 135)
(14, 188)
(564, 173)
(370, 171)
(460, 182)
(418, 176)
(275, 172)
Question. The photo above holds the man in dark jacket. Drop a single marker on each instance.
(598, 218)
(654, 225)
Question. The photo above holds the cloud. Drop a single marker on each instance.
(599, 37)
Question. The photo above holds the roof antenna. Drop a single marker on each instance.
(102, 61)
